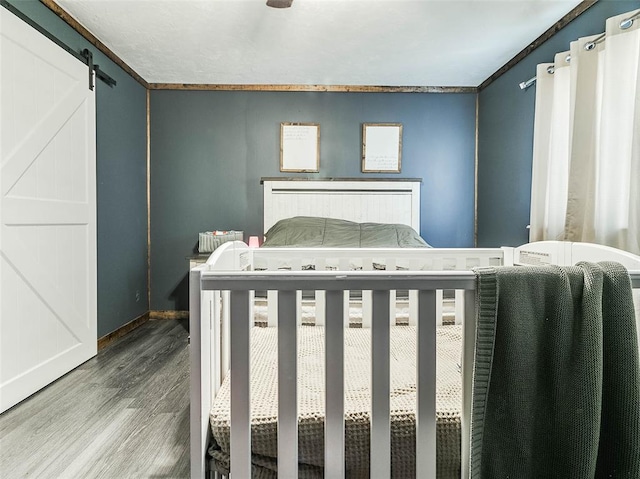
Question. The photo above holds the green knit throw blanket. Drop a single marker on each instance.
(556, 389)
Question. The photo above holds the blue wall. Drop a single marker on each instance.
(209, 150)
(505, 133)
(121, 178)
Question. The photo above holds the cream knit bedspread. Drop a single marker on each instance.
(264, 387)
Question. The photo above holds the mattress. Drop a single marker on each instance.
(357, 403)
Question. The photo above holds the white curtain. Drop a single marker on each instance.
(586, 154)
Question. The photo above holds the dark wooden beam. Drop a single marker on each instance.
(87, 35)
(568, 18)
(148, 187)
(315, 88)
(559, 25)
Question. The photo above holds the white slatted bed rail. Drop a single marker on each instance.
(371, 259)
(225, 288)
(241, 284)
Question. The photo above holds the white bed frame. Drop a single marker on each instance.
(383, 201)
(224, 287)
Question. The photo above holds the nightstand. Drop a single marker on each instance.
(197, 259)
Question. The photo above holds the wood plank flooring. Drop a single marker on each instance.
(123, 414)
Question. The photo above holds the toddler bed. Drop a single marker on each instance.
(360, 360)
(392, 419)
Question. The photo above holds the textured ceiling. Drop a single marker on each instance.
(317, 42)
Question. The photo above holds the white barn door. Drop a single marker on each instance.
(48, 285)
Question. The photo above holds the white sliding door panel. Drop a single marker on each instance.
(48, 285)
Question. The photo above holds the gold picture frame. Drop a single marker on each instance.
(300, 147)
(381, 147)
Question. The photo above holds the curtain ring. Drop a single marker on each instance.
(624, 24)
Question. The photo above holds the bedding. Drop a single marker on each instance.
(357, 403)
(310, 231)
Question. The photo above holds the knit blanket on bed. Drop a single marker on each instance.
(556, 380)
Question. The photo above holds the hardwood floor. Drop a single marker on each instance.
(123, 414)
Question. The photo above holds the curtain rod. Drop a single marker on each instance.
(624, 25)
(550, 69)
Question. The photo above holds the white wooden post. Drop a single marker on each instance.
(200, 370)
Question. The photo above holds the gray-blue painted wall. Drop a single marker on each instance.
(209, 150)
(121, 181)
(505, 133)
